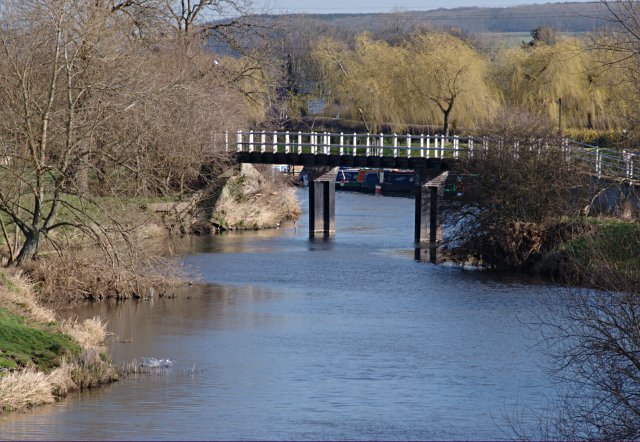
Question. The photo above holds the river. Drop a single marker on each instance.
(296, 339)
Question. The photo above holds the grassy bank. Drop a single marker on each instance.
(606, 255)
(43, 359)
(255, 199)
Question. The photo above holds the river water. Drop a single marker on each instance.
(297, 339)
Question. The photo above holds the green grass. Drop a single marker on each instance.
(614, 242)
(23, 345)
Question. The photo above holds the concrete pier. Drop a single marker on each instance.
(428, 227)
(428, 222)
(322, 202)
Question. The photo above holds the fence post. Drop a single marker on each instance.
(409, 146)
(355, 144)
(314, 143)
(368, 149)
(421, 145)
(428, 146)
(442, 141)
(455, 146)
(627, 160)
(470, 146)
(326, 148)
(395, 146)
(274, 147)
(598, 163)
(263, 141)
(226, 141)
(381, 148)
(299, 142)
(239, 146)
(251, 139)
(287, 142)
(341, 143)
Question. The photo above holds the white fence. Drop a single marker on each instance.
(604, 162)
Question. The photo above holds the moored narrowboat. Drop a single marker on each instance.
(398, 182)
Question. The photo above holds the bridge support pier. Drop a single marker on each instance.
(428, 227)
(322, 202)
(428, 222)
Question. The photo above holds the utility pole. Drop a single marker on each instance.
(560, 115)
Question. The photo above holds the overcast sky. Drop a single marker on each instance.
(356, 6)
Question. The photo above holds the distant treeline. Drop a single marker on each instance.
(565, 17)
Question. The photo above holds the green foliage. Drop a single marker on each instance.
(23, 345)
(614, 243)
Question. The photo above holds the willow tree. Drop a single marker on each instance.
(616, 52)
(536, 77)
(364, 79)
(444, 72)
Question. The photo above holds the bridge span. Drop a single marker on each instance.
(430, 156)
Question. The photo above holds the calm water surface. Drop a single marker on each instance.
(298, 339)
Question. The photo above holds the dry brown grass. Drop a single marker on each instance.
(89, 275)
(93, 369)
(257, 199)
(17, 295)
(91, 333)
(29, 387)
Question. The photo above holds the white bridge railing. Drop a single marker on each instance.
(604, 162)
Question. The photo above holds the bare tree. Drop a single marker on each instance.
(520, 194)
(88, 112)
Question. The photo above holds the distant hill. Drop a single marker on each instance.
(493, 27)
(565, 17)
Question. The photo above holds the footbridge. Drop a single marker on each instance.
(430, 156)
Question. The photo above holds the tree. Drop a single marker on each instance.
(534, 77)
(616, 51)
(430, 76)
(364, 79)
(92, 110)
(447, 72)
(519, 192)
(542, 35)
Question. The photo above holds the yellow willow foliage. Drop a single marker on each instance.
(446, 81)
(363, 79)
(415, 83)
(254, 83)
(616, 73)
(534, 78)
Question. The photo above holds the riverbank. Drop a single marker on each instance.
(605, 255)
(42, 359)
(598, 252)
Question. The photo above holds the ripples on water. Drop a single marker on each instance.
(296, 339)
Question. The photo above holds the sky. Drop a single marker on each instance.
(361, 6)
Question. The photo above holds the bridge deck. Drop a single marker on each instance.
(418, 152)
(334, 160)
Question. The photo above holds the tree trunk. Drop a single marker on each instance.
(29, 249)
(445, 128)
